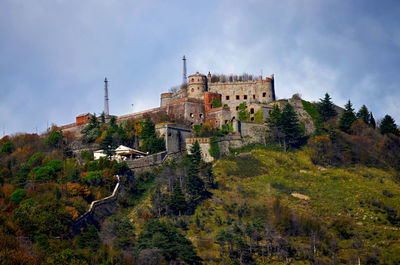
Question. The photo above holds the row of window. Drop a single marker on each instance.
(192, 115)
(245, 96)
(198, 79)
(251, 110)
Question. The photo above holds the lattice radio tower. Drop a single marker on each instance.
(106, 97)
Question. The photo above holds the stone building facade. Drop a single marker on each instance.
(193, 103)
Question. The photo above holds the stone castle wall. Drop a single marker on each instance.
(254, 93)
(174, 136)
(98, 210)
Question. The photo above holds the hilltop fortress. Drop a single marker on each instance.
(194, 102)
(213, 100)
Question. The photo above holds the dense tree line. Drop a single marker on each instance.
(44, 188)
(354, 137)
(140, 134)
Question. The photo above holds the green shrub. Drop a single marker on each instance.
(258, 116)
(93, 178)
(7, 147)
(43, 174)
(17, 196)
(56, 164)
(216, 103)
(54, 139)
(244, 114)
(35, 160)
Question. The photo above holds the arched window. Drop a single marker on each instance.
(192, 79)
(251, 111)
(192, 89)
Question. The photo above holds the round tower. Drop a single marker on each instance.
(196, 85)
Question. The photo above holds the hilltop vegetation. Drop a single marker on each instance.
(329, 198)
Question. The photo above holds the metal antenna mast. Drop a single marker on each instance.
(106, 97)
(184, 70)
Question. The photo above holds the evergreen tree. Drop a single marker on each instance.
(290, 126)
(363, 114)
(91, 131)
(151, 143)
(94, 123)
(171, 243)
(347, 118)
(388, 126)
(195, 185)
(326, 108)
(275, 116)
(108, 145)
(113, 123)
(177, 202)
(372, 122)
(274, 121)
(195, 154)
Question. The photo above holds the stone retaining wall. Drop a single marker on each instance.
(147, 162)
(98, 209)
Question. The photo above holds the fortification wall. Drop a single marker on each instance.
(253, 133)
(140, 115)
(147, 162)
(204, 143)
(188, 109)
(219, 116)
(253, 93)
(174, 136)
(73, 128)
(225, 144)
(98, 210)
(167, 98)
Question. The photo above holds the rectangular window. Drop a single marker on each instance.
(264, 94)
(245, 97)
(227, 97)
(237, 97)
(254, 96)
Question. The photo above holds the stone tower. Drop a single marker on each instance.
(196, 86)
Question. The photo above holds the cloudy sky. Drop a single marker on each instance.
(54, 54)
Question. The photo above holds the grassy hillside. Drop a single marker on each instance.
(345, 213)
